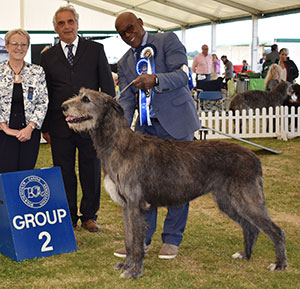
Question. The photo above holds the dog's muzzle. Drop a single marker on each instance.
(75, 119)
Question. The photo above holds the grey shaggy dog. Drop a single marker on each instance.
(259, 99)
(143, 172)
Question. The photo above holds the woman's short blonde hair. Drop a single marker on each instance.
(284, 50)
(65, 8)
(19, 31)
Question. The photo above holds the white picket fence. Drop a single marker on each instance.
(253, 124)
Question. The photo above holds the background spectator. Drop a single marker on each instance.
(290, 70)
(202, 64)
(263, 59)
(274, 76)
(228, 68)
(215, 66)
(273, 55)
(245, 66)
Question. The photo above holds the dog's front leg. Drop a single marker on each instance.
(135, 235)
(128, 242)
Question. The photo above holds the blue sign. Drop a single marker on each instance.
(34, 214)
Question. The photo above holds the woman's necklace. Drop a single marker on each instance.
(17, 76)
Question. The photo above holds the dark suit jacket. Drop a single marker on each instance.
(173, 103)
(90, 70)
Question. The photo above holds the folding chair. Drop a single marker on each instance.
(211, 100)
(210, 97)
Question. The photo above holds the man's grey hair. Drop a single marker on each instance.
(66, 8)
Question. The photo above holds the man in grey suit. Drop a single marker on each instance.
(172, 111)
(69, 65)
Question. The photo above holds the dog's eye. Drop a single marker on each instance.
(85, 99)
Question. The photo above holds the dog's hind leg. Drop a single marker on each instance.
(250, 231)
(277, 236)
(135, 235)
(256, 218)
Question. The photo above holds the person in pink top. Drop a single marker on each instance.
(216, 66)
(202, 64)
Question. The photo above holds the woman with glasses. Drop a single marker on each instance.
(290, 70)
(23, 105)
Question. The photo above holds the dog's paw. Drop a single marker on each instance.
(238, 255)
(131, 274)
(277, 267)
(119, 266)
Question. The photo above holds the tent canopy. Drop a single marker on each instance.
(163, 15)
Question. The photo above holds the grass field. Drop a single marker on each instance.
(204, 259)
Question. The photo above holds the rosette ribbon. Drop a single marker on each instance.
(145, 64)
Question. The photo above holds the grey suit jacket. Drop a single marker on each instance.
(172, 103)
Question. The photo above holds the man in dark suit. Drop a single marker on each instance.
(68, 68)
(172, 110)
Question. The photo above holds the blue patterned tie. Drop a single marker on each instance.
(70, 56)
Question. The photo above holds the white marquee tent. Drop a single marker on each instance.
(98, 16)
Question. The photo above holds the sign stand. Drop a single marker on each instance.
(34, 214)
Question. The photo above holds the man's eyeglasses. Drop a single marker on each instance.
(16, 44)
(129, 29)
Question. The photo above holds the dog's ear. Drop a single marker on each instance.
(117, 107)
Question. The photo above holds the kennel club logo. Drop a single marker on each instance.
(34, 192)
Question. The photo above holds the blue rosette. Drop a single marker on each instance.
(145, 64)
(141, 66)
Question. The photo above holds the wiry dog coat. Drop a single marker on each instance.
(142, 172)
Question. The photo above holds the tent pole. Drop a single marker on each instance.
(213, 37)
(183, 35)
(22, 14)
(255, 43)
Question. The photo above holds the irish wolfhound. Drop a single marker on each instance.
(259, 99)
(143, 172)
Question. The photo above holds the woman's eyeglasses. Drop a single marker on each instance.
(16, 44)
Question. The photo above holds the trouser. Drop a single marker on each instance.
(176, 218)
(64, 156)
(16, 155)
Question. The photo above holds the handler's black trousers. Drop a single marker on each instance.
(64, 156)
(18, 156)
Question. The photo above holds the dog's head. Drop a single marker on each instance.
(295, 92)
(84, 111)
(282, 90)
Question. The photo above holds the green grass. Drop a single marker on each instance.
(204, 259)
